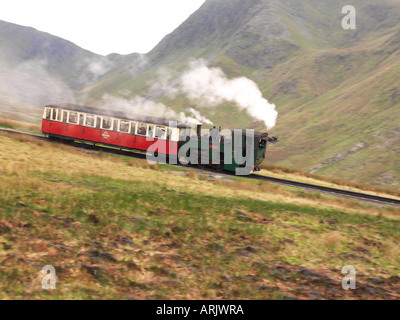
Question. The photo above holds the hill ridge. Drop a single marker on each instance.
(333, 88)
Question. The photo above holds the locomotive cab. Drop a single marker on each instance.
(260, 148)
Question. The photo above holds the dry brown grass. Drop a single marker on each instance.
(171, 224)
(14, 124)
(335, 181)
(264, 187)
(332, 240)
(24, 154)
(192, 175)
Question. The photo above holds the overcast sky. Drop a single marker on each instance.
(102, 26)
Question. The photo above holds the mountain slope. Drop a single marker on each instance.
(337, 91)
(62, 58)
(39, 68)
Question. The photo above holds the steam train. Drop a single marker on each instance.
(141, 133)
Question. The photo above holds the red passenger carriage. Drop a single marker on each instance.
(117, 129)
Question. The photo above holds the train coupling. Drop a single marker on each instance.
(273, 140)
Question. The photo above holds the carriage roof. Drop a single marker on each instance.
(117, 114)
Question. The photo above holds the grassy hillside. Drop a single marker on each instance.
(61, 59)
(38, 68)
(336, 90)
(119, 233)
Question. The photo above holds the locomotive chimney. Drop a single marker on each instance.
(199, 130)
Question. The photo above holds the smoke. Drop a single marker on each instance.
(210, 87)
(142, 106)
(26, 87)
(92, 70)
(164, 83)
(200, 117)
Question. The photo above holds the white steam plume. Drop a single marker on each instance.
(142, 106)
(210, 86)
(200, 117)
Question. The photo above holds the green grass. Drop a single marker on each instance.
(19, 125)
(132, 231)
(333, 88)
(168, 233)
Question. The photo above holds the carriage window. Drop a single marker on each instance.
(98, 122)
(73, 117)
(124, 126)
(48, 113)
(115, 124)
(151, 131)
(81, 119)
(107, 122)
(133, 127)
(142, 129)
(59, 115)
(90, 121)
(54, 114)
(65, 116)
(160, 132)
(169, 133)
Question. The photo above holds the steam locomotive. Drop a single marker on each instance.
(165, 138)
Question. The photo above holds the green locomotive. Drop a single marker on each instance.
(240, 151)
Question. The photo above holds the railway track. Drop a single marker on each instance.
(343, 192)
(303, 185)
